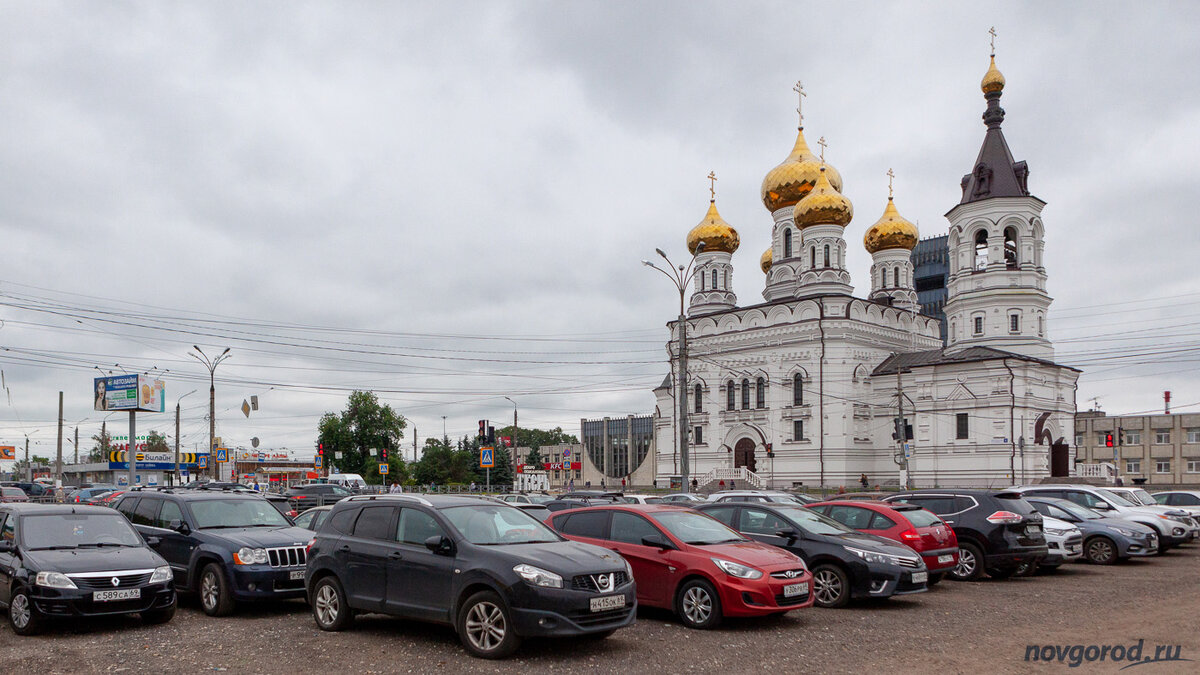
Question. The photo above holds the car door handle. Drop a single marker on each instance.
(344, 549)
(396, 555)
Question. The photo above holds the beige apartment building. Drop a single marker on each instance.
(1163, 449)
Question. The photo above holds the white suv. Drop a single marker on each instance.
(1174, 527)
(756, 496)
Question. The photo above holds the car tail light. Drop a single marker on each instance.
(1007, 517)
(910, 535)
(292, 513)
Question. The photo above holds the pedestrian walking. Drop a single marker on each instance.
(863, 479)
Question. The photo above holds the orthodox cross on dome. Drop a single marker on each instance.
(799, 89)
(821, 142)
(992, 32)
(890, 174)
(712, 185)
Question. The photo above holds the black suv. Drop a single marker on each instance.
(316, 494)
(226, 546)
(845, 563)
(490, 570)
(61, 561)
(997, 530)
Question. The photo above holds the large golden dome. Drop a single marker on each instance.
(765, 262)
(787, 183)
(716, 234)
(890, 231)
(824, 205)
(993, 81)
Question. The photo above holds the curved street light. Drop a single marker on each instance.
(680, 277)
(211, 365)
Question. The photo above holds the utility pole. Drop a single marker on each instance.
(58, 458)
(28, 466)
(76, 443)
(902, 433)
(414, 444)
(512, 456)
(175, 477)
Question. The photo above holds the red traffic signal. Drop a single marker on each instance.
(483, 428)
(1108, 440)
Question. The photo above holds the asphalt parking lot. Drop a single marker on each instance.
(956, 627)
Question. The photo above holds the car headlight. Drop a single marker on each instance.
(736, 570)
(1124, 532)
(161, 574)
(871, 556)
(538, 576)
(628, 568)
(250, 556)
(1055, 532)
(54, 580)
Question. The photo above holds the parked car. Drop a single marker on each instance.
(859, 496)
(490, 570)
(59, 561)
(12, 495)
(106, 498)
(83, 495)
(538, 511)
(1105, 539)
(756, 496)
(1064, 544)
(683, 498)
(845, 563)
(692, 564)
(1173, 526)
(594, 496)
(564, 504)
(996, 530)
(281, 503)
(642, 499)
(907, 524)
(316, 494)
(312, 518)
(1188, 500)
(226, 546)
(33, 490)
(1139, 495)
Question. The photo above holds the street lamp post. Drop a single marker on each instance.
(177, 402)
(512, 455)
(211, 365)
(680, 277)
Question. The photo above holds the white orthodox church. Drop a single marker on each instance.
(807, 386)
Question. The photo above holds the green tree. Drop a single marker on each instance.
(99, 451)
(156, 442)
(534, 459)
(364, 424)
(536, 438)
(443, 464)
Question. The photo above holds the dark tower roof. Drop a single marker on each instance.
(995, 174)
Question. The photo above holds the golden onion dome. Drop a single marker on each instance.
(716, 234)
(993, 81)
(890, 231)
(824, 205)
(788, 183)
(768, 257)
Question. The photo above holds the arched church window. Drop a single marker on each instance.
(760, 393)
(702, 278)
(896, 277)
(1010, 248)
(699, 397)
(797, 389)
(729, 395)
(827, 255)
(1040, 325)
(981, 249)
(745, 394)
(883, 274)
(726, 275)
(787, 242)
(813, 256)
(714, 280)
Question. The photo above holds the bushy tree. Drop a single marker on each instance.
(364, 424)
(156, 442)
(536, 438)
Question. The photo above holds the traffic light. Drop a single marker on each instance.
(1108, 440)
(491, 436)
(483, 427)
(897, 428)
(383, 455)
(908, 431)
(321, 449)
(1120, 436)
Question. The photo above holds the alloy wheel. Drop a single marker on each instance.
(1100, 551)
(827, 586)
(327, 605)
(485, 626)
(966, 563)
(697, 605)
(19, 611)
(208, 591)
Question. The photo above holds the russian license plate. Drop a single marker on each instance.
(296, 575)
(608, 602)
(1033, 529)
(122, 594)
(946, 558)
(920, 577)
(792, 590)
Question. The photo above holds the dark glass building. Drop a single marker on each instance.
(931, 267)
(618, 446)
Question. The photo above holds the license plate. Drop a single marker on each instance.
(296, 575)
(608, 602)
(946, 558)
(920, 577)
(792, 590)
(1195, 534)
(1033, 529)
(123, 594)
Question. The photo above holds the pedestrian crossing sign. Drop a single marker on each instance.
(487, 458)
(202, 461)
(222, 454)
(383, 469)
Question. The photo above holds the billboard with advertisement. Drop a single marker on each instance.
(8, 452)
(139, 393)
(553, 466)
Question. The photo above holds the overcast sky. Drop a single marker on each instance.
(399, 196)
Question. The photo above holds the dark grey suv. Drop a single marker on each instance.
(490, 570)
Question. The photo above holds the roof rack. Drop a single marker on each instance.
(367, 498)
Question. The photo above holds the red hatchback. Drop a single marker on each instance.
(692, 564)
(909, 524)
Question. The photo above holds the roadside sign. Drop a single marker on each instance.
(317, 462)
(383, 469)
(566, 452)
(222, 454)
(487, 458)
(907, 451)
(140, 393)
(202, 462)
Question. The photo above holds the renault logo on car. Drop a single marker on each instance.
(116, 581)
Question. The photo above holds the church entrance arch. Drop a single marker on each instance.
(743, 454)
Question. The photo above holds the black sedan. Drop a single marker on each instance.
(845, 563)
(77, 561)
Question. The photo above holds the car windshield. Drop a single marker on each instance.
(1115, 498)
(921, 518)
(74, 530)
(696, 529)
(787, 499)
(1081, 512)
(498, 525)
(540, 499)
(246, 512)
(814, 523)
(1144, 497)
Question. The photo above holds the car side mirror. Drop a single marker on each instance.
(1102, 506)
(153, 541)
(657, 541)
(7, 547)
(440, 544)
(179, 526)
(789, 533)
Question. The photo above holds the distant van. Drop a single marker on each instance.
(351, 480)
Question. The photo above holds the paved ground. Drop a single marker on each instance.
(956, 627)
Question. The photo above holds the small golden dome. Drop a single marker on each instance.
(765, 261)
(993, 81)
(824, 205)
(890, 231)
(716, 234)
(787, 183)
